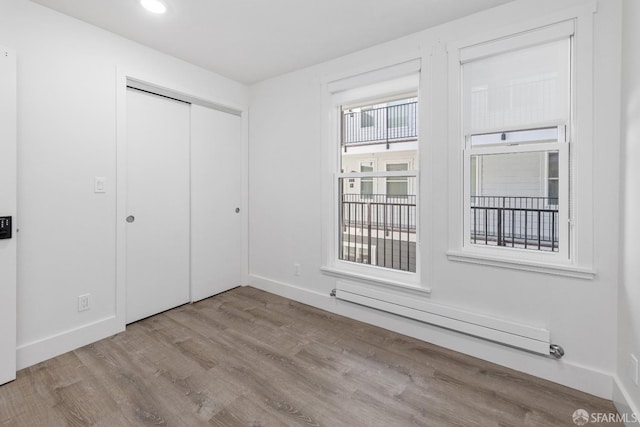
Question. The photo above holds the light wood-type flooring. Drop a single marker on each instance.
(250, 358)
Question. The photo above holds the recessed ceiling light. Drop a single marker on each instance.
(154, 6)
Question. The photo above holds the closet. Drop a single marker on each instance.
(183, 195)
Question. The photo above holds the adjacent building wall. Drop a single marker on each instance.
(66, 137)
(285, 202)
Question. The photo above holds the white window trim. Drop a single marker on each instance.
(579, 262)
(351, 89)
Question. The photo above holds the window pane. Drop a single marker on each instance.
(510, 207)
(553, 191)
(553, 165)
(366, 167)
(367, 119)
(397, 187)
(378, 229)
(397, 116)
(366, 187)
(378, 129)
(366, 184)
(377, 214)
(395, 167)
(518, 89)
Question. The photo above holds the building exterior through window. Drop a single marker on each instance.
(377, 207)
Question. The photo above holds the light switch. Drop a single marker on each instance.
(100, 184)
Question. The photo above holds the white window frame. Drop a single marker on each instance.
(382, 81)
(576, 260)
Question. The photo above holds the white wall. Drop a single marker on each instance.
(285, 202)
(629, 294)
(66, 136)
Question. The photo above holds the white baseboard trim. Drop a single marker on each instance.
(54, 345)
(563, 372)
(624, 404)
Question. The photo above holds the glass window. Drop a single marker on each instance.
(398, 113)
(366, 184)
(516, 108)
(510, 210)
(382, 122)
(367, 119)
(377, 208)
(553, 177)
(397, 186)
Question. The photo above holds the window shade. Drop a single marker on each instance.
(519, 89)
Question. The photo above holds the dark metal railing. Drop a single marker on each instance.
(379, 198)
(380, 231)
(383, 125)
(521, 222)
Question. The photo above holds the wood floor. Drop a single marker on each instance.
(249, 358)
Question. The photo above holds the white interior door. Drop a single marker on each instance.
(157, 247)
(8, 196)
(216, 177)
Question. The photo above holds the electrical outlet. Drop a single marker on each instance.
(83, 302)
(296, 269)
(634, 369)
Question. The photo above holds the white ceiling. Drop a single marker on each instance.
(252, 40)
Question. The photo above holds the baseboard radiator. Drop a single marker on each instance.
(532, 339)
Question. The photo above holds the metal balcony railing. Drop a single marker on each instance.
(384, 125)
(380, 230)
(519, 222)
(379, 198)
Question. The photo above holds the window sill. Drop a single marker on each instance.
(524, 265)
(388, 283)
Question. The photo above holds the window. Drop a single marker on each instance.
(516, 103)
(371, 237)
(366, 184)
(552, 178)
(397, 186)
(367, 118)
(384, 122)
(398, 113)
(378, 223)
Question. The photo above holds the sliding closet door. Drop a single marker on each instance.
(215, 201)
(8, 194)
(157, 247)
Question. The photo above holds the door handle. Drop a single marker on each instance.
(237, 210)
(131, 218)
